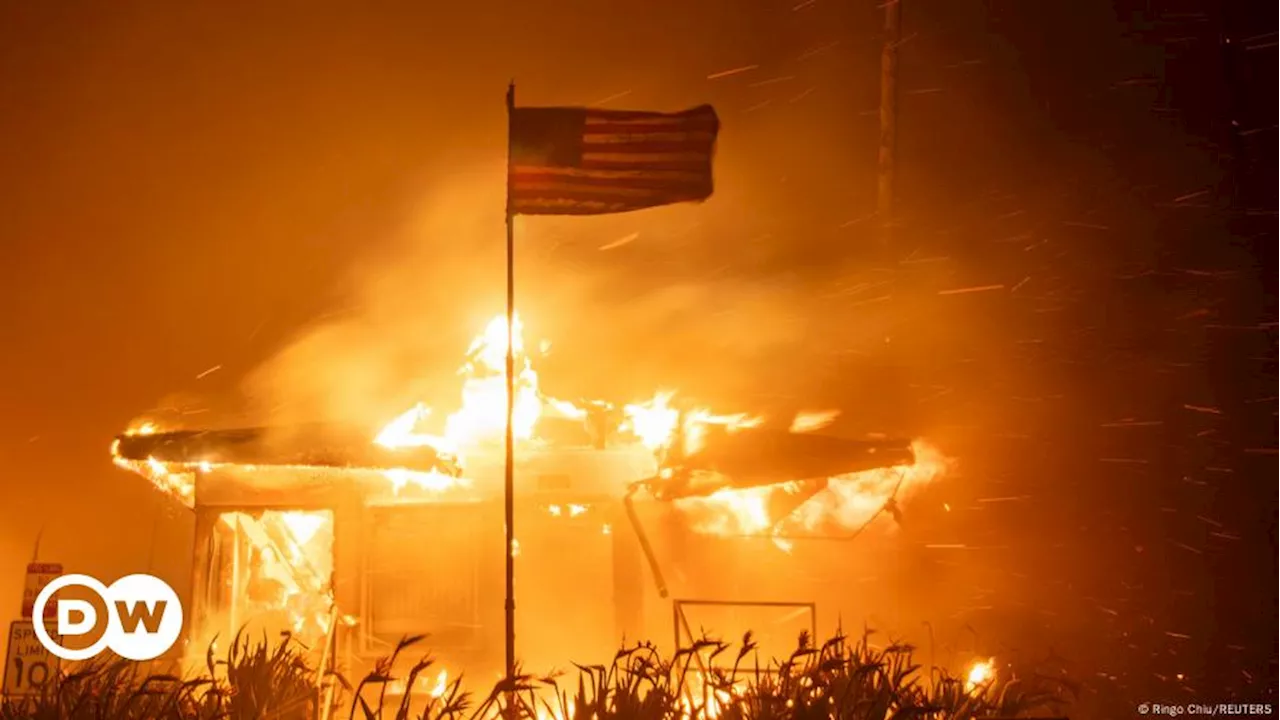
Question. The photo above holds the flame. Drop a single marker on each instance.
(696, 422)
(178, 482)
(701, 699)
(546, 711)
(730, 512)
(571, 510)
(433, 482)
(482, 416)
(849, 502)
(442, 684)
(146, 428)
(811, 420)
(981, 674)
(658, 425)
(278, 570)
(402, 432)
(436, 687)
(567, 409)
(654, 422)
(302, 526)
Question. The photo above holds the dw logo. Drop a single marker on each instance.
(143, 617)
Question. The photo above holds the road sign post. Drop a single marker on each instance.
(28, 666)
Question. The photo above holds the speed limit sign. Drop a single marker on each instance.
(27, 664)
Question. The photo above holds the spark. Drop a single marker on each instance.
(210, 371)
(620, 241)
(611, 98)
(1260, 36)
(801, 96)
(1136, 81)
(1190, 196)
(978, 288)
(814, 52)
(734, 71)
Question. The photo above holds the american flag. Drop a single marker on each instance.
(580, 161)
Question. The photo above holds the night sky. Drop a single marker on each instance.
(223, 212)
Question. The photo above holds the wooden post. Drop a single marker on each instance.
(201, 571)
(888, 118)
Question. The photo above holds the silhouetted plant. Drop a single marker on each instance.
(839, 680)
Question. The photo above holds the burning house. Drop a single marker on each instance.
(351, 539)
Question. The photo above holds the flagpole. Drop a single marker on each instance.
(508, 490)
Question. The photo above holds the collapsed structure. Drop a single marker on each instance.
(351, 540)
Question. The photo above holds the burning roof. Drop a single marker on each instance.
(729, 467)
(754, 457)
(302, 446)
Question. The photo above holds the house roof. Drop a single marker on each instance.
(300, 446)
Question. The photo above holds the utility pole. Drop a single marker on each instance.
(888, 118)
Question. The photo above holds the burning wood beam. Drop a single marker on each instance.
(303, 446)
(755, 457)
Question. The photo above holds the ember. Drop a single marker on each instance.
(981, 674)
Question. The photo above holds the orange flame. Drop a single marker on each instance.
(653, 422)
(849, 501)
(811, 420)
(657, 424)
(482, 416)
(980, 676)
